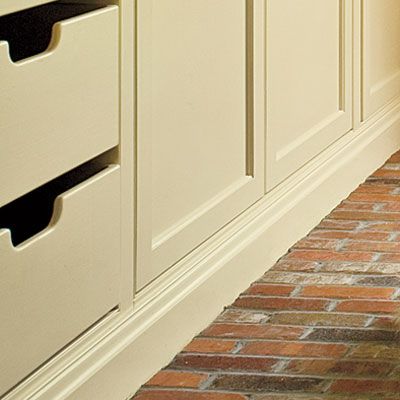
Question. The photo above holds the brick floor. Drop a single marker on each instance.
(318, 325)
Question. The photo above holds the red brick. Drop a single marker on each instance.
(307, 279)
(224, 362)
(295, 349)
(280, 303)
(372, 189)
(384, 226)
(383, 322)
(177, 379)
(365, 216)
(311, 243)
(378, 351)
(295, 265)
(347, 292)
(392, 281)
(390, 258)
(374, 268)
(321, 255)
(210, 346)
(351, 205)
(294, 396)
(362, 235)
(253, 331)
(387, 173)
(395, 206)
(295, 278)
(380, 247)
(339, 367)
(365, 386)
(265, 383)
(270, 290)
(365, 306)
(378, 197)
(178, 395)
(339, 334)
(235, 315)
(336, 224)
(297, 396)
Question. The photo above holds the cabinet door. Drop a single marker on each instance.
(309, 80)
(200, 123)
(381, 53)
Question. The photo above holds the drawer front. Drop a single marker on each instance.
(61, 281)
(59, 108)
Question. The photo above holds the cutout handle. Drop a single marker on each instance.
(34, 31)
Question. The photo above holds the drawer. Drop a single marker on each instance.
(58, 108)
(62, 280)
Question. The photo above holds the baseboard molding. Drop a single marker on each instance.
(183, 302)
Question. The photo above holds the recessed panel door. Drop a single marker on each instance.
(381, 53)
(309, 80)
(200, 123)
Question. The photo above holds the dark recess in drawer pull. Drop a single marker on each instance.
(31, 213)
(29, 32)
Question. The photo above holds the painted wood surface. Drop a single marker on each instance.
(200, 123)
(60, 108)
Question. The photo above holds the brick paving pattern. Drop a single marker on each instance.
(318, 325)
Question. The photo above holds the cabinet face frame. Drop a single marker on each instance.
(157, 254)
(282, 160)
(374, 95)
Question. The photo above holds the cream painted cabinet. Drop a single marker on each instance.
(158, 156)
(309, 81)
(381, 53)
(200, 123)
(60, 218)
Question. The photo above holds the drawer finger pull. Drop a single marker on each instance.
(32, 213)
(34, 31)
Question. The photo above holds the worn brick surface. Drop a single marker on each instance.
(385, 351)
(270, 290)
(210, 346)
(365, 386)
(186, 395)
(348, 292)
(243, 316)
(217, 362)
(177, 379)
(325, 255)
(295, 349)
(372, 236)
(319, 319)
(366, 306)
(327, 367)
(273, 303)
(254, 331)
(319, 325)
(263, 383)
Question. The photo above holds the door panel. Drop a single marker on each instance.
(308, 81)
(200, 142)
(381, 53)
